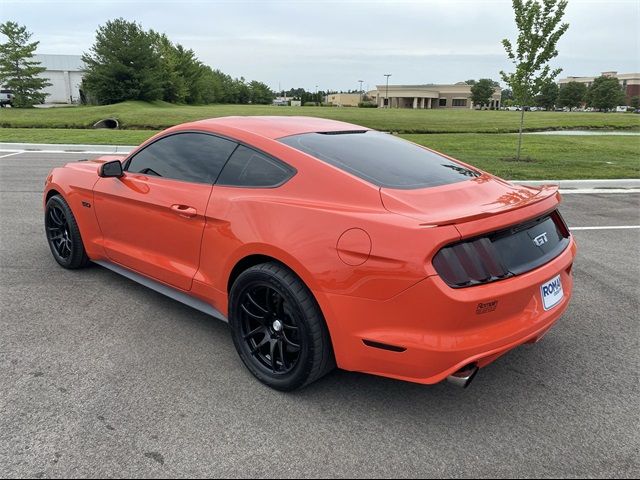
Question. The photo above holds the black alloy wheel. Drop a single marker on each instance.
(269, 329)
(63, 234)
(58, 232)
(278, 328)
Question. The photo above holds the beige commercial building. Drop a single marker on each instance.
(428, 96)
(630, 82)
(343, 99)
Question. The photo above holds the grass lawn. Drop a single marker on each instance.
(554, 157)
(69, 135)
(158, 115)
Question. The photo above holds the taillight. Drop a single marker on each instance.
(560, 223)
(502, 254)
(469, 263)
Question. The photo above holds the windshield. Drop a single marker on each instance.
(381, 159)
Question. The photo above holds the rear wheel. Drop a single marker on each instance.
(63, 234)
(278, 328)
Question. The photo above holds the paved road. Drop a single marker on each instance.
(102, 377)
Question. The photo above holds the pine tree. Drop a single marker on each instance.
(122, 64)
(18, 71)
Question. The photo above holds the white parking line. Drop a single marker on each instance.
(68, 152)
(606, 227)
(10, 154)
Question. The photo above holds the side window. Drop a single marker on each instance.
(191, 157)
(248, 168)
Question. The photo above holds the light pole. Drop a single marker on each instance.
(360, 89)
(317, 98)
(386, 95)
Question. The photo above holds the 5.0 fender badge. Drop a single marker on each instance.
(86, 204)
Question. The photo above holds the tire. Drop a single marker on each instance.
(278, 328)
(63, 234)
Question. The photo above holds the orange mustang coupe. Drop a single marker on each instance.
(324, 244)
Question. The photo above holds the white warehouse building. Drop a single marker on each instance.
(64, 72)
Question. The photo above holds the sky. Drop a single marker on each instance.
(334, 44)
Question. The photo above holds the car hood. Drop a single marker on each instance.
(463, 201)
(94, 164)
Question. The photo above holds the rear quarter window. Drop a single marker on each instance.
(381, 159)
(250, 168)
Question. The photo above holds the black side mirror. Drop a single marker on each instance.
(111, 169)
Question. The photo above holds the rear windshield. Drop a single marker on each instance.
(381, 158)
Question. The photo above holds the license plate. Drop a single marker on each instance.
(551, 292)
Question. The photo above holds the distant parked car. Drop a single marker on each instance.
(6, 97)
(622, 109)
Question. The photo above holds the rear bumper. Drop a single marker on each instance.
(440, 329)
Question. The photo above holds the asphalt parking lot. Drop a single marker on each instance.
(102, 377)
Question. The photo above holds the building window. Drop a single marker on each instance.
(443, 102)
(459, 102)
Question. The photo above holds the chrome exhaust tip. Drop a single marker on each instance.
(463, 377)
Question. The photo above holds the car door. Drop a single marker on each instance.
(152, 218)
(233, 211)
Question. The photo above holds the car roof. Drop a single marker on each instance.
(274, 126)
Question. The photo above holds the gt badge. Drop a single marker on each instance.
(540, 239)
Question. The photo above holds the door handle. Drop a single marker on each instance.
(184, 210)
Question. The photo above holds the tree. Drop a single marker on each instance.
(123, 64)
(572, 95)
(470, 82)
(18, 71)
(539, 30)
(260, 93)
(481, 91)
(635, 102)
(243, 94)
(548, 95)
(506, 95)
(174, 88)
(605, 93)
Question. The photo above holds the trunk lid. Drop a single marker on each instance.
(465, 201)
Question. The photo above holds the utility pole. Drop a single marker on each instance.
(386, 95)
(360, 89)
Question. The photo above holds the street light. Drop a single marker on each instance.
(317, 98)
(386, 95)
(361, 90)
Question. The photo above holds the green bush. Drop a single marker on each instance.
(367, 105)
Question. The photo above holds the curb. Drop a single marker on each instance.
(65, 148)
(604, 185)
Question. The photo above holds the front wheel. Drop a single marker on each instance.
(278, 328)
(63, 234)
